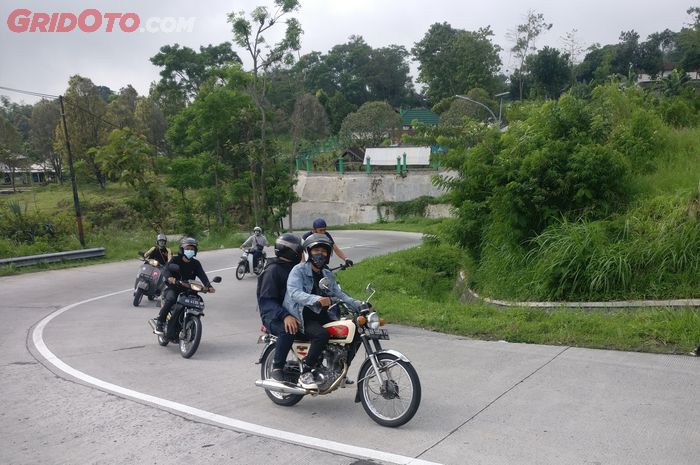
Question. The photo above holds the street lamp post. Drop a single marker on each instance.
(496, 120)
(500, 105)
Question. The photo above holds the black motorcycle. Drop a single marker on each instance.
(183, 324)
(149, 281)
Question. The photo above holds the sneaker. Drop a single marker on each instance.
(308, 381)
(277, 374)
(160, 328)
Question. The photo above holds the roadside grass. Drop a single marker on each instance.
(125, 245)
(415, 287)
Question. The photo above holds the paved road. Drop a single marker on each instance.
(89, 384)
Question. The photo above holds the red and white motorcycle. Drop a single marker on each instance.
(387, 384)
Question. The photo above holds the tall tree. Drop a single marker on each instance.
(185, 70)
(85, 112)
(309, 120)
(45, 118)
(370, 125)
(10, 147)
(525, 41)
(549, 70)
(250, 34)
(453, 61)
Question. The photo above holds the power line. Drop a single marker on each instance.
(29, 92)
(69, 101)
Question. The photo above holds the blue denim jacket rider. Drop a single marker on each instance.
(299, 286)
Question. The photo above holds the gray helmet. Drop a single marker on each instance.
(288, 246)
(163, 238)
(185, 241)
(257, 230)
(318, 240)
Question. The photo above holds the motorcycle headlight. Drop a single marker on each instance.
(153, 262)
(196, 287)
(373, 320)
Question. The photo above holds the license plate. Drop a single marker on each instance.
(191, 302)
(377, 333)
(143, 285)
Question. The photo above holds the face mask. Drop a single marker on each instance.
(189, 254)
(319, 260)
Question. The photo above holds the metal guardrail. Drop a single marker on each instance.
(54, 257)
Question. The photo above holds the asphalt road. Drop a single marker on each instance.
(83, 380)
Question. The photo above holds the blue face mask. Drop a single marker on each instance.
(319, 260)
(189, 254)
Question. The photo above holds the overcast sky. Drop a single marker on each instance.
(43, 62)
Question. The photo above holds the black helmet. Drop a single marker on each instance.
(163, 238)
(185, 241)
(288, 246)
(318, 240)
(319, 223)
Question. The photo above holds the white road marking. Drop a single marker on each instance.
(238, 425)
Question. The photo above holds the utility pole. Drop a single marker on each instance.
(76, 202)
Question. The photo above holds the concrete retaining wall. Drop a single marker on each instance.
(353, 198)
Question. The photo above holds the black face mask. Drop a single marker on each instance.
(319, 260)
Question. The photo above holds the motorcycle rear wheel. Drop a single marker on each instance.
(240, 271)
(138, 296)
(395, 402)
(291, 375)
(193, 334)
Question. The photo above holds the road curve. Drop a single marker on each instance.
(117, 396)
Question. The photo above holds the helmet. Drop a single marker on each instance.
(289, 246)
(318, 240)
(257, 230)
(319, 223)
(185, 241)
(161, 238)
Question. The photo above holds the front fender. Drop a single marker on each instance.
(367, 361)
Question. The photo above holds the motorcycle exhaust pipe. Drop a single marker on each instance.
(272, 385)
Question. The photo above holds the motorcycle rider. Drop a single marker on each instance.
(190, 268)
(319, 227)
(306, 302)
(272, 287)
(256, 243)
(159, 252)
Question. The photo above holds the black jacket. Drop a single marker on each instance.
(188, 270)
(272, 286)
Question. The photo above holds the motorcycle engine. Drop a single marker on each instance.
(334, 358)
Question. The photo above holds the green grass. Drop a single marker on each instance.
(427, 300)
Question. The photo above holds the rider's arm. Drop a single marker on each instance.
(295, 288)
(149, 252)
(248, 242)
(199, 272)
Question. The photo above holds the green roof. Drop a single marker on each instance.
(423, 115)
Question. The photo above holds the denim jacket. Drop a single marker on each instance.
(299, 286)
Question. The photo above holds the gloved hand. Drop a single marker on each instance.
(349, 263)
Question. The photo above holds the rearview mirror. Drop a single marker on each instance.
(324, 284)
(173, 267)
(216, 279)
(369, 289)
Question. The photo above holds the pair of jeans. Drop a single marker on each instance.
(257, 255)
(318, 337)
(284, 342)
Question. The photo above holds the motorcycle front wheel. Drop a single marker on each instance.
(138, 296)
(392, 402)
(240, 271)
(291, 375)
(192, 335)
